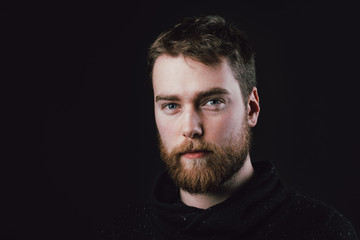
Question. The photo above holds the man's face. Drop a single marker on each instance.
(201, 120)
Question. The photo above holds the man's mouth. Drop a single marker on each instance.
(193, 154)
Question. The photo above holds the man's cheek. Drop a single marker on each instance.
(166, 137)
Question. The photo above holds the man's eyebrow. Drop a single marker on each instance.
(200, 95)
(212, 91)
(167, 98)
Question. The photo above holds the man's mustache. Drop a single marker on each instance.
(193, 146)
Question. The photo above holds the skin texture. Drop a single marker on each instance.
(196, 102)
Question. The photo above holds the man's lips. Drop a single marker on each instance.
(194, 154)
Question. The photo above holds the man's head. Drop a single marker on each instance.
(209, 39)
(205, 101)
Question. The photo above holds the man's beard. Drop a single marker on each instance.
(208, 173)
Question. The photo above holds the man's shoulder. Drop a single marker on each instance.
(304, 204)
(315, 218)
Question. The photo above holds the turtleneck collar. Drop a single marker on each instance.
(247, 207)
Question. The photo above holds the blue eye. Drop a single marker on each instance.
(171, 106)
(214, 102)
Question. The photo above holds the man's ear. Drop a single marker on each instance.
(253, 107)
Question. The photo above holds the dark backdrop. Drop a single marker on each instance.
(97, 150)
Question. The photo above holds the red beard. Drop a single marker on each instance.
(207, 174)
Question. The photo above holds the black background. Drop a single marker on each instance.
(85, 142)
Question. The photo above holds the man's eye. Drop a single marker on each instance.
(171, 106)
(213, 102)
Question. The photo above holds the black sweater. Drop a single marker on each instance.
(262, 209)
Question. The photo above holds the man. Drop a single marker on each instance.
(205, 103)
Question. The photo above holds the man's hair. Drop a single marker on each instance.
(209, 39)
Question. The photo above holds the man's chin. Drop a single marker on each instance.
(196, 177)
(196, 164)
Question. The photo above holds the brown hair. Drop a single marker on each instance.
(209, 39)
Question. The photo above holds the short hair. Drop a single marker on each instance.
(209, 39)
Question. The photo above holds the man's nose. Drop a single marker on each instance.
(192, 127)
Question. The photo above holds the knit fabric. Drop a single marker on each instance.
(262, 209)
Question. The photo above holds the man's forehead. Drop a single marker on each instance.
(170, 73)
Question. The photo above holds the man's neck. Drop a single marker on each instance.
(206, 200)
